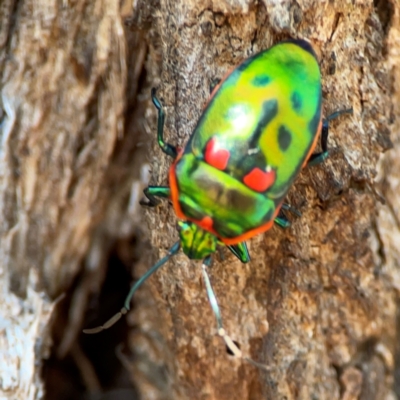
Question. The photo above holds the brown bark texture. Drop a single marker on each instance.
(318, 303)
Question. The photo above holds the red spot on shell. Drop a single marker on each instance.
(215, 156)
(206, 223)
(259, 180)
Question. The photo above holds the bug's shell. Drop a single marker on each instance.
(255, 134)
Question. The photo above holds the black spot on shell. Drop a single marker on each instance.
(314, 122)
(261, 80)
(297, 101)
(268, 113)
(284, 138)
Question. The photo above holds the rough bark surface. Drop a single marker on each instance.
(324, 288)
(66, 168)
(318, 304)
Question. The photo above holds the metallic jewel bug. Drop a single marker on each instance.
(228, 184)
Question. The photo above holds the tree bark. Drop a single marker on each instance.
(66, 169)
(317, 304)
(325, 288)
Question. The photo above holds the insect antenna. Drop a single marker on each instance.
(231, 345)
(116, 317)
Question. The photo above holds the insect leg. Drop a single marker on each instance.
(116, 317)
(152, 192)
(231, 345)
(213, 84)
(240, 251)
(281, 219)
(165, 147)
(319, 157)
(288, 207)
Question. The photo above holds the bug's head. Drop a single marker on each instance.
(196, 243)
